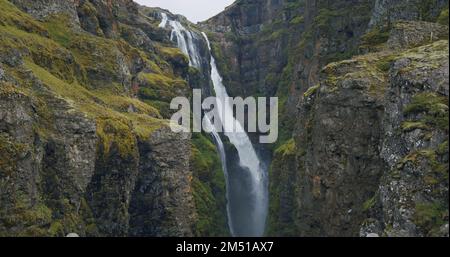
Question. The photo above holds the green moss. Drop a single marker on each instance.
(208, 188)
(375, 37)
(436, 172)
(10, 154)
(282, 204)
(384, 64)
(57, 26)
(297, 20)
(56, 229)
(12, 16)
(443, 17)
(415, 157)
(28, 219)
(311, 91)
(434, 107)
(443, 148)
(160, 87)
(430, 56)
(174, 55)
(427, 102)
(115, 128)
(287, 149)
(277, 34)
(362, 71)
(370, 203)
(43, 51)
(116, 133)
(160, 80)
(223, 66)
(430, 216)
(425, 9)
(409, 126)
(94, 101)
(325, 16)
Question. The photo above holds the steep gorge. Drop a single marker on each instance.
(85, 146)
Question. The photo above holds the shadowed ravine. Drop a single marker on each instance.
(247, 183)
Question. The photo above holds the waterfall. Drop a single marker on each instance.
(184, 39)
(247, 154)
(249, 160)
(189, 48)
(164, 20)
(223, 159)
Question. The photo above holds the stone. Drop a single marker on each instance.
(407, 34)
(2, 73)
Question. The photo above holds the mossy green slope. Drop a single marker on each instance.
(124, 89)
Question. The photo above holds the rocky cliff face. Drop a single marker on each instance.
(368, 83)
(85, 146)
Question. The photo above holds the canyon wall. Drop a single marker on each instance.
(85, 144)
(367, 83)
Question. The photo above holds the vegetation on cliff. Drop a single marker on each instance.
(77, 75)
(336, 67)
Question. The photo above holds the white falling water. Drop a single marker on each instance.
(223, 159)
(189, 48)
(247, 154)
(184, 38)
(164, 20)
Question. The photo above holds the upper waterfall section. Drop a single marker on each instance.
(188, 39)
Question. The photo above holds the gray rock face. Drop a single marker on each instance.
(247, 56)
(54, 166)
(2, 73)
(147, 193)
(414, 33)
(392, 158)
(11, 57)
(41, 9)
(165, 173)
(67, 169)
(353, 127)
(341, 166)
(390, 11)
(413, 184)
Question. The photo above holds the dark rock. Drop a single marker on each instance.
(42, 9)
(414, 33)
(390, 11)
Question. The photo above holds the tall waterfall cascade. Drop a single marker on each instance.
(248, 158)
